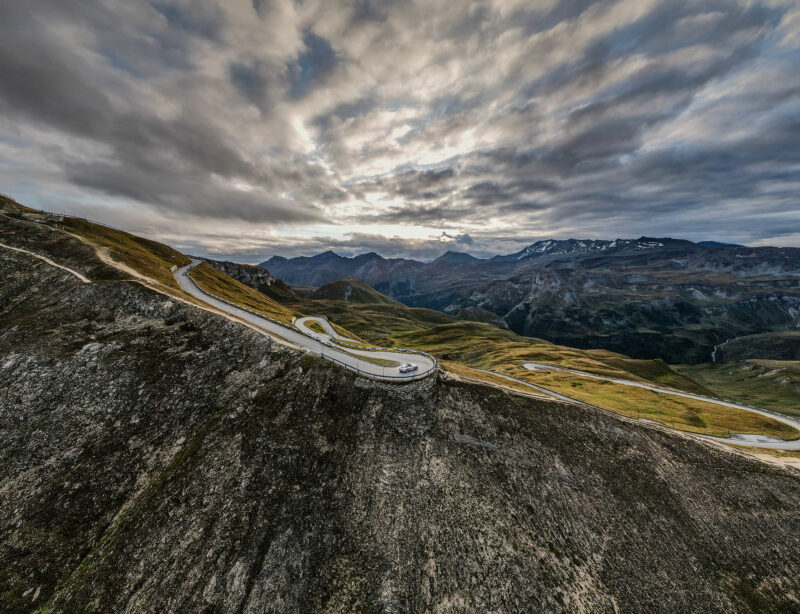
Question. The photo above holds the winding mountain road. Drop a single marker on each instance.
(329, 345)
(330, 332)
(350, 357)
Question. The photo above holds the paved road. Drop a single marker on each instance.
(48, 261)
(314, 342)
(757, 441)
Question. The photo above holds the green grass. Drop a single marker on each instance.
(351, 291)
(773, 384)
(220, 285)
(375, 323)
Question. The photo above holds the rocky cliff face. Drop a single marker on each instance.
(158, 458)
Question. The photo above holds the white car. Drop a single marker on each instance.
(408, 368)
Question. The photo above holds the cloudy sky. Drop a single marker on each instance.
(247, 128)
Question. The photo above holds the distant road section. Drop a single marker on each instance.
(756, 441)
(351, 358)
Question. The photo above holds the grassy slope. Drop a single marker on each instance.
(682, 414)
(376, 323)
(219, 284)
(148, 258)
(774, 384)
(488, 347)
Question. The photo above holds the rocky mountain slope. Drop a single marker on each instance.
(646, 297)
(155, 457)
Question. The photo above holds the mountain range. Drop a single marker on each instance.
(647, 297)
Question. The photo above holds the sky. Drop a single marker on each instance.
(242, 129)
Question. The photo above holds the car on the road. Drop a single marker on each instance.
(408, 368)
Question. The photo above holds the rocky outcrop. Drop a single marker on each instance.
(256, 277)
(782, 345)
(158, 458)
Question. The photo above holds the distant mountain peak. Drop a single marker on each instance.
(453, 257)
(548, 247)
(368, 256)
(555, 247)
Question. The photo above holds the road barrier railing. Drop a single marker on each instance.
(294, 329)
(383, 376)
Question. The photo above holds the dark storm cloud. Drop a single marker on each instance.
(500, 121)
(169, 161)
